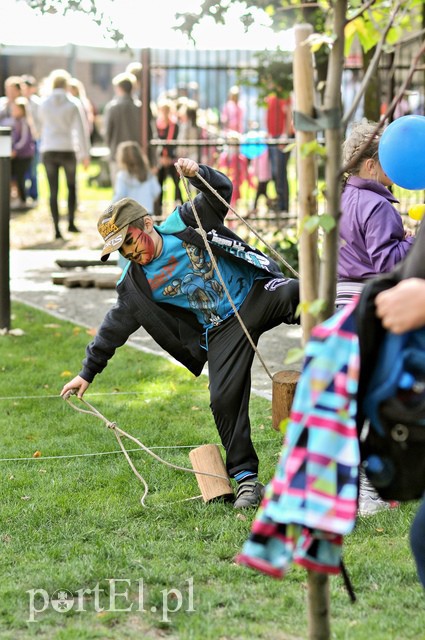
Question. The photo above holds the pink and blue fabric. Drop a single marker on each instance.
(311, 502)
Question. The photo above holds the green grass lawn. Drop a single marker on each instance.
(75, 524)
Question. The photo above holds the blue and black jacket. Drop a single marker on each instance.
(174, 329)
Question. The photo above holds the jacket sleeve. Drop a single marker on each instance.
(81, 129)
(117, 326)
(210, 209)
(384, 237)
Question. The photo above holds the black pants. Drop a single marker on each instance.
(417, 541)
(279, 162)
(163, 173)
(53, 161)
(19, 167)
(230, 357)
(261, 190)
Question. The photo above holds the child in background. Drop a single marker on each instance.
(135, 179)
(23, 146)
(371, 234)
(262, 173)
(235, 165)
(168, 129)
(188, 131)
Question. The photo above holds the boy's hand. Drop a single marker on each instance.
(77, 383)
(188, 167)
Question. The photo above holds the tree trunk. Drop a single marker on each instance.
(307, 175)
(372, 97)
(333, 137)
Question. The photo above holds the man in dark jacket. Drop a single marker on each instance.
(171, 288)
(122, 117)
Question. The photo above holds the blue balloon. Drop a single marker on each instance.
(252, 146)
(401, 152)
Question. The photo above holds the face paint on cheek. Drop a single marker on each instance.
(139, 247)
(146, 248)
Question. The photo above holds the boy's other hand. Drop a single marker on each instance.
(188, 167)
(79, 384)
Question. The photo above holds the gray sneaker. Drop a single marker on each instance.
(249, 494)
(369, 500)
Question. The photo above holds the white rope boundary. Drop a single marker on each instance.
(109, 453)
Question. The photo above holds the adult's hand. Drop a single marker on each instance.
(402, 308)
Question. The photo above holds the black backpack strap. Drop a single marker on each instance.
(371, 333)
(347, 582)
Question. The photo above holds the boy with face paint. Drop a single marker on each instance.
(170, 287)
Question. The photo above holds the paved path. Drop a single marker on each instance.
(31, 282)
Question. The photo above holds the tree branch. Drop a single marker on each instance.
(361, 11)
(390, 109)
(373, 64)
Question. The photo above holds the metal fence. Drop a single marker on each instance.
(206, 77)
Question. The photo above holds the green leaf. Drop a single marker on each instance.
(317, 307)
(327, 222)
(311, 223)
(283, 425)
(313, 148)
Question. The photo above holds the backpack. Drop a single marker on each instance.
(392, 441)
(391, 390)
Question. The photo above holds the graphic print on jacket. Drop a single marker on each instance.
(183, 275)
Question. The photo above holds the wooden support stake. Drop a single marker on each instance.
(283, 390)
(318, 583)
(307, 176)
(318, 599)
(208, 458)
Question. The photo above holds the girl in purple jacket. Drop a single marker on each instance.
(371, 234)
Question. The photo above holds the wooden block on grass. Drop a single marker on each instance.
(208, 458)
(283, 390)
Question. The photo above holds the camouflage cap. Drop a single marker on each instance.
(114, 222)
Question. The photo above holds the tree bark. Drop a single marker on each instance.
(307, 175)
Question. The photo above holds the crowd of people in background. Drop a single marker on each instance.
(217, 136)
(51, 122)
(54, 124)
